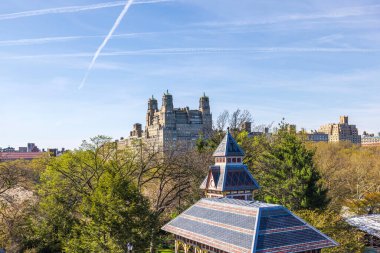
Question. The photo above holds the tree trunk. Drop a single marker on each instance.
(152, 244)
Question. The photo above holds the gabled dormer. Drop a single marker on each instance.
(229, 177)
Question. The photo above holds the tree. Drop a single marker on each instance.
(368, 204)
(233, 120)
(89, 202)
(115, 214)
(17, 179)
(348, 171)
(222, 120)
(239, 117)
(286, 173)
(166, 179)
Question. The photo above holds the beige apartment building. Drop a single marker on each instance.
(341, 131)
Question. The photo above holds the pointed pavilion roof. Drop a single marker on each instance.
(228, 147)
(238, 226)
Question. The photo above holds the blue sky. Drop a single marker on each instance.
(308, 61)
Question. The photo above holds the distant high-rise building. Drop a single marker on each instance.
(23, 149)
(170, 126)
(8, 149)
(318, 137)
(341, 131)
(370, 140)
(31, 146)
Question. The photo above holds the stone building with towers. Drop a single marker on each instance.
(168, 126)
(229, 220)
(342, 131)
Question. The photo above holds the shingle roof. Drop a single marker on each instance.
(228, 147)
(239, 226)
(229, 177)
(367, 223)
(20, 155)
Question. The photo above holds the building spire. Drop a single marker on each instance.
(229, 176)
(228, 147)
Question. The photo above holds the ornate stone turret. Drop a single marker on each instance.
(152, 108)
(152, 104)
(204, 104)
(229, 177)
(167, 102)
(204, 108)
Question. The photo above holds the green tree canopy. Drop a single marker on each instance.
(89, 204)
(285, 170)
(368, 204)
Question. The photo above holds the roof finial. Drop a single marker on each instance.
(228, 129)
(167, 92)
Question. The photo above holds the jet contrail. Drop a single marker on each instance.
(44, 40)
(106, 39)
(198, 51)
(71, 9)
(26, 42)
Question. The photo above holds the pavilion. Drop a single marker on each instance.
(228, 220)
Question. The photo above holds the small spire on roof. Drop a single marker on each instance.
(228, 129)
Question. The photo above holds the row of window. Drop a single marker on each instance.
(229, 159)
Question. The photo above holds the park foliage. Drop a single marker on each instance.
(98, 197)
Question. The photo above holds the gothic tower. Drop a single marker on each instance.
(167, 102)
(168, 120)
(204, 104)
(204, 107)
(229, 177)
(152, 108)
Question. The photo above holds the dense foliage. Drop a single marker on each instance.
(88, 203)
(98, 198)
(285, 170)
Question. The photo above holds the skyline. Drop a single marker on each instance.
(309, 62)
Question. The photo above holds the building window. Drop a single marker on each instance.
(228, 160)
(234, 160)
(239, 160)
